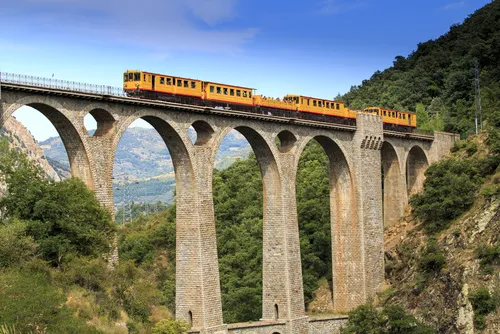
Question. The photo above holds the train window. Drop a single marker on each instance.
(211, 89)
(231, 92)
(385, 113)
(169, 81)
(338, 106)
(179, 83)
(137, 76)
(186, 84)
(250, 94)
(144, 79)
(328, 105)
(404, 116)
(125, 77)
(314, 103)
(218, 90)
(162, 81)
(301, 100)
(320, 103)
(244, 93)
(307, 101)
(225, 91)
(238, 92)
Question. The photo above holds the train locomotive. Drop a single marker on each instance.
(164, 87)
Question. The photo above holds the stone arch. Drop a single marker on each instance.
(416, 164)
(103, 117)
(72, 137)
(204, 132)
(274, 287)
(287, 141)
(347, 258)
(189, 289)
(392, 185)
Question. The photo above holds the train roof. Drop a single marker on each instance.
(406, 112)
(176, 76)
(315, 98)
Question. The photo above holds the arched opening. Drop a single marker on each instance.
(98, 122)
(346, 252)
(313, 213)
(203, 132)
(416, 164)
(285, 141)
(151, 159)
(143, 173)
(49, 138)
(245, 196)
(392, 185)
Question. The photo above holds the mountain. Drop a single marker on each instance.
(438, 79)
(20, 138)
(143, 168)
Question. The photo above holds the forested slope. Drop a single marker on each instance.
(438, 77)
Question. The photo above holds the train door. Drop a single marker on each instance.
(409, 119)
(153, 82)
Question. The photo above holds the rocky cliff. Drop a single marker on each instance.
(20, 138)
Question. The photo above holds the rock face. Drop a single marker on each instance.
(22, 139)
(443, 300)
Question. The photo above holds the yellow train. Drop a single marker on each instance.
(197, 92)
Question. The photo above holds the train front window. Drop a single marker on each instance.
(125, 77)
(137, 76)
(131, 77)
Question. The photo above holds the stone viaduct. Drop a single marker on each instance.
(361, 203)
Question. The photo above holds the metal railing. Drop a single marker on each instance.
(74, 86)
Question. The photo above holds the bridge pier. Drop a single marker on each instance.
(369, 139)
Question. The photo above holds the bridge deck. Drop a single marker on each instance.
(116, 98)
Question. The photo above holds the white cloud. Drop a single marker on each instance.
(156, 24)
(453, 5)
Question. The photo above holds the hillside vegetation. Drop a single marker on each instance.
(437, 79)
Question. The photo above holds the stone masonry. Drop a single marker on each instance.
(359, 207)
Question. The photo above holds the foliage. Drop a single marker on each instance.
(28, 302)
(15, 245)
(238, 214)
(391, 320)
(438, 77)
(313, 210)
(170, 327)
(483, 303)
(449, 190)
(433, 259)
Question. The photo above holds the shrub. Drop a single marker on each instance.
(15, 245)
(170, 327)
(483, 303)
(449, 190)
(391, 319)
(433, 259)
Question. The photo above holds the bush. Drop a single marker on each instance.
(483, 303)
(170, 327)
(449, 190)
(433, 259)
(15, 245)
(30, 303)
(391, 319)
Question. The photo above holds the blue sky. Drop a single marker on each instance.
(316, 47)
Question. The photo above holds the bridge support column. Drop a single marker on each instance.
(198, 293)
(102, 169)
(283, 296)
(368, 142)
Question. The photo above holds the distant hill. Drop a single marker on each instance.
(143, 168)
(437, 80)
